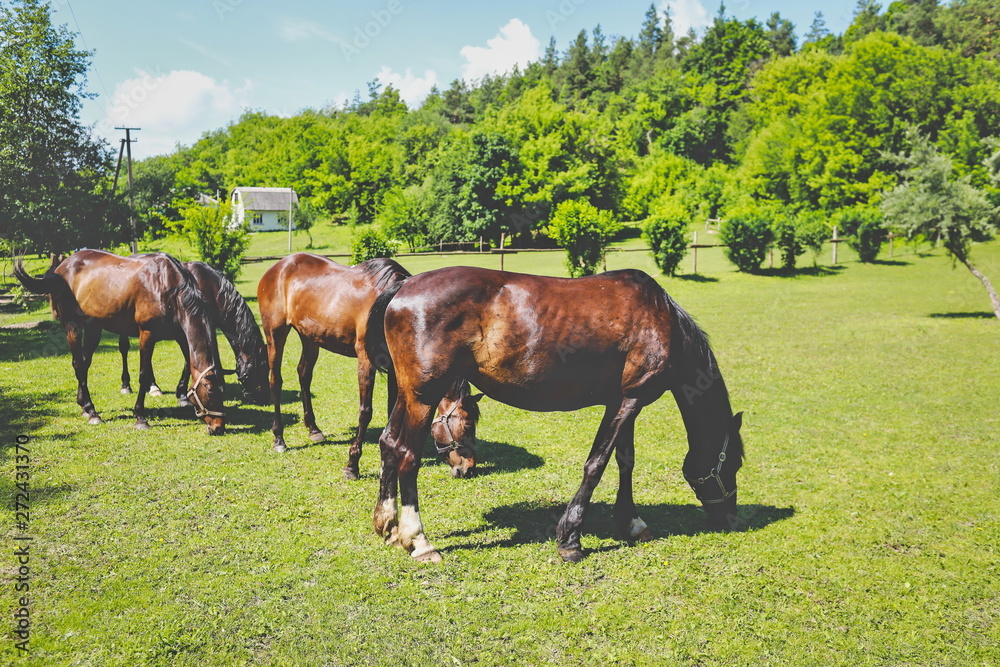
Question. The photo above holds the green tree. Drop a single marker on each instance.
(931, 202)
(666, 234)
(584, 231)
(747, 236)
(864, 228)
(371, 243)
(53, 174)
(209, 230)
(405, 215)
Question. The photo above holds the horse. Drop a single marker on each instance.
(228, 312)
(328, 305)
(150, 296)
(551, 344)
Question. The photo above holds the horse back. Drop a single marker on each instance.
(534, 341)
(324, 301)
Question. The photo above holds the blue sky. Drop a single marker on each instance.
(178, 69)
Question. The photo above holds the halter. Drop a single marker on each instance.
(714, 474)
(446, 420)
(199, 410)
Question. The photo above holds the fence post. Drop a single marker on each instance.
(891, 237)
(503, 236)
(835, 245)
(694, 254)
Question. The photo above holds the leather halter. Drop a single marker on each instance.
(445, 419)
(713, 474)
(200, 410)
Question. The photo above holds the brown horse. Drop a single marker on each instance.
(538, 343)
(150, 296)
(328, 305)
(227, 311)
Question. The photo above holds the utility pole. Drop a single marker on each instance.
(126, 146)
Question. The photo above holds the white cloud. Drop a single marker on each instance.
(513, 45)
(413, 89)
(171, 108)
(687, 14)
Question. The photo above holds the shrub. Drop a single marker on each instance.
(667, 237)
(584, 231)
(747, 236)
(787, 239)
(370, 244)
(813, 231)
(864, 229)
(219, 244)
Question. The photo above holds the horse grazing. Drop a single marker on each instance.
(150, 296)
(546, 344)
(228, 312)
(328, 305)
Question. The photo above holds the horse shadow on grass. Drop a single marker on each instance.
(697, 278)
(535, 522)
(981, 315)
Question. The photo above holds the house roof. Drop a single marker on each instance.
(266, 199)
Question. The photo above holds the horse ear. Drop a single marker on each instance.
(738, 421)
(476, 397)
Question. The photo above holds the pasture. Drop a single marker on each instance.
(868, 502)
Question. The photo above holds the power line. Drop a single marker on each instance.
(83, 39)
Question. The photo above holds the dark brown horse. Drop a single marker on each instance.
(328, 305)
(150, 296)
(547, 344)
(228, 312)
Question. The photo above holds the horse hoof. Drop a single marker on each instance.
(95, 420)
(142, 426)
(571, 555)
(350, 474)
(154, 391)
(428, 557)
(126, 390)
(183, 402)
(279, 447)
(317, 436)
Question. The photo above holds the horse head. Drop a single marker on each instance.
(252, 372)
(206, 394)
(716, 489)
(454, 431)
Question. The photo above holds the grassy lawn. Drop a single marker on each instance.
(870, 490)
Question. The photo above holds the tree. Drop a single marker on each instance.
(781, 34)
(931, 202)
(667, 237)
(53, 174)
(305, 216)
(371, 243)
(584, 231)
(210, 232)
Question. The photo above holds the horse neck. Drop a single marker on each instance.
(703, 401)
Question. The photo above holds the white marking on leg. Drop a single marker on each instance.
(637, 527)
(411, 533)
(385, 518)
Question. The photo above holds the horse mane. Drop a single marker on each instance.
(384, 272)
(236, 320)
(186, 293)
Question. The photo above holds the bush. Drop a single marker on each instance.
(667, 237)
(747, 237)
(218, 243)
(787, 239)
(814, 232)
(584, 231)
(865, 231)
(370, 244)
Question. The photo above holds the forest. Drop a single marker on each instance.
(690, 127)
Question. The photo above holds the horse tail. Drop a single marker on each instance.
(375, 343)
(50, 283)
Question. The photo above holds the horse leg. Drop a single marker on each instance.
(366, 384)
(401, 444)
(146, 343)
(627, 522)
(82, 350)
(307, 362)
(182, 385)
(126, 378)
(275, 348)
(568, 530)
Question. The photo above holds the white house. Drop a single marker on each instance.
(266, 209)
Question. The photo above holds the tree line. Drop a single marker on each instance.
(739, 122)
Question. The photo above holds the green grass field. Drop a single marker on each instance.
(870, 490)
